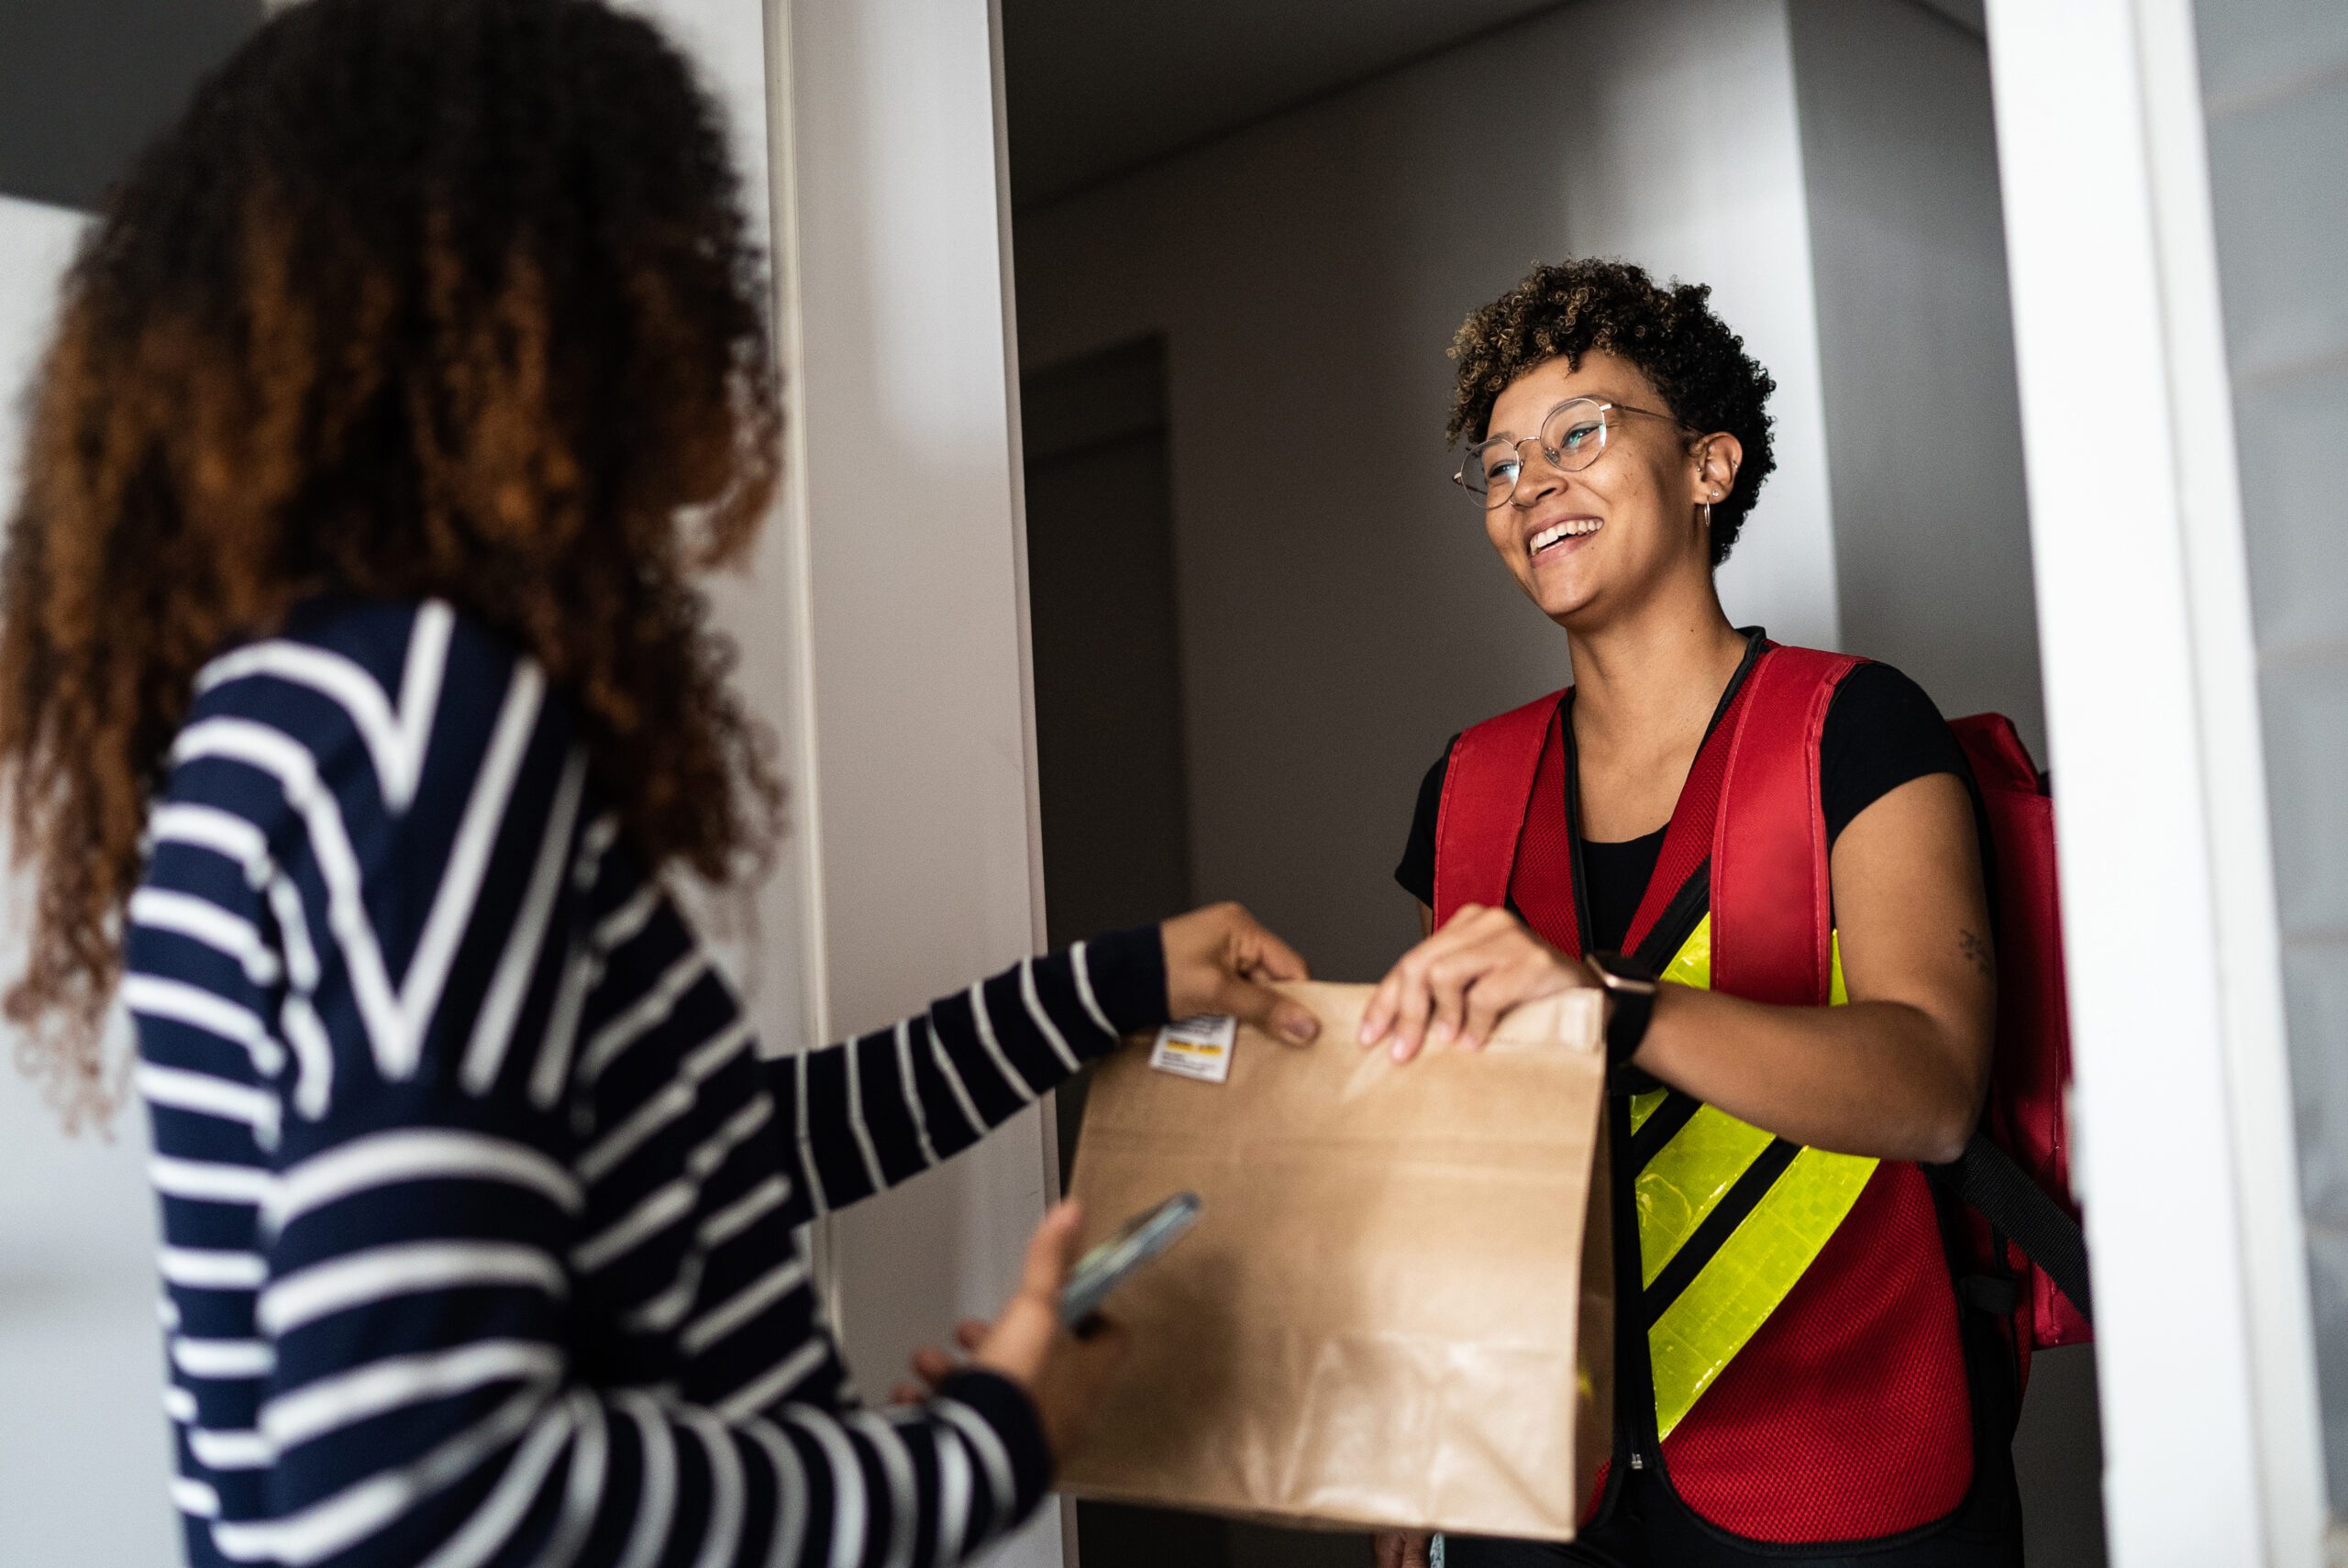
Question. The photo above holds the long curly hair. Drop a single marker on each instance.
(1669, 331)
(420, 298)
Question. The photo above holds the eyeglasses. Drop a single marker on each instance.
(1571, 437)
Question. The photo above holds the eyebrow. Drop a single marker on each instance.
(1493, 432)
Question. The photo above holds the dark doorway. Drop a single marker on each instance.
(1109, 727)
(1108, 677)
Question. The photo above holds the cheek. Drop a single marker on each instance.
(1500, 533)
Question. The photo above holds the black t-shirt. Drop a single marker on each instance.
(1881, 731)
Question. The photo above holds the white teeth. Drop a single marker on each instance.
(1571, 529)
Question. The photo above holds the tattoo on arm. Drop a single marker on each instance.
(1976, 953)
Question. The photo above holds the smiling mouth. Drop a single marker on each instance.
(1558, 533)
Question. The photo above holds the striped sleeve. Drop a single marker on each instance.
(878, 1109)
(865, 1114)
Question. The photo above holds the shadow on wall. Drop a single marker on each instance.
(84, 83)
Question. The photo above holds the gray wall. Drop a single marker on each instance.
(1931, 535)
(2275, 76)
(84, 83)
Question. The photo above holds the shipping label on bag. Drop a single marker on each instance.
(1196, 1048)
(1395, 1307)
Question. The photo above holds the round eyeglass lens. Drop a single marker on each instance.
(1574, 433)
(1491, 469)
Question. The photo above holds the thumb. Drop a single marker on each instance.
(1052, 1251)
(1262, 950)
(1270, 1011)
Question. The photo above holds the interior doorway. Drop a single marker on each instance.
(1297, 241)
(1107, 670)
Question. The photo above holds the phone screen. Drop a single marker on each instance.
(1140, 1239)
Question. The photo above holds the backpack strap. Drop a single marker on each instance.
(1687, 849)
(1987, 1178)
(1487, 788)
(1773, 906)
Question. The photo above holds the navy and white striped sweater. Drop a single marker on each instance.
(483, 1214)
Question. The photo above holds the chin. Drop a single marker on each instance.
(1561, 604)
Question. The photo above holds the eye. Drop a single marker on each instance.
(1502, 469)
(1579, 434)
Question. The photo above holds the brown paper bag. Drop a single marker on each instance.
(1395, 1309)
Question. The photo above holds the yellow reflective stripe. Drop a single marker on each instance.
(1727, 1303)
(1692, 964)
(1738, 1287)
(1686, 1179)
(1642, 1106)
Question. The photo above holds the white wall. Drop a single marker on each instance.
(1308, 273)
(84, 1448)
(2275, 83)
(765, 938)
(921, 760)
(2182, 1106)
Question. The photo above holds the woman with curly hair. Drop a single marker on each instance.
(1794, 1378)
(356, 706)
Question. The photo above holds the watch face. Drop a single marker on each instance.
(1614, 979)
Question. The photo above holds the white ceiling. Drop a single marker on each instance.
(1096, 86)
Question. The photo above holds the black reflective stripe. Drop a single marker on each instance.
(1662, 1123)
(1719, 1225)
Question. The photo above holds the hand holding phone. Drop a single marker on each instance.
(1050, 1339)
(1108, 1265)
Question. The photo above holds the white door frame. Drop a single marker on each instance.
(2183, 1104)
(916, 804)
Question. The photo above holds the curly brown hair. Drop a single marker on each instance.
(420, 298)
(1668, 331)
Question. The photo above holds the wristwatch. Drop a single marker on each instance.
(1629, 988)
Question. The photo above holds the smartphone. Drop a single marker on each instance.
(1105, 1267)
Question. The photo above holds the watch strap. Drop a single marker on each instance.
(1629, 988)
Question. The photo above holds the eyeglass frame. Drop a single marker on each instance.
(1604, 406)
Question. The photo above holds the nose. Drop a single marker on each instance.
(1536, 475)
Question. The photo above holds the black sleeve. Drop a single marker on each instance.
(1416, 872)
(1881, 732)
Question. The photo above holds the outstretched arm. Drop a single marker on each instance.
(876, 1111)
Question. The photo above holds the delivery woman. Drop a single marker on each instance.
(1792, 1374)
(357, 708)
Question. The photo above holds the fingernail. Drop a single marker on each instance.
(1401, 1048)
(1363, 1036)
(1302, 1029)
(1445, 1035)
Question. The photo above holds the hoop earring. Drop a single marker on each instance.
(1706, 508)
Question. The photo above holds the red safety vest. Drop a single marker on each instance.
(1801, 1376)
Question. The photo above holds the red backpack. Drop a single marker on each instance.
(2024, 1256)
